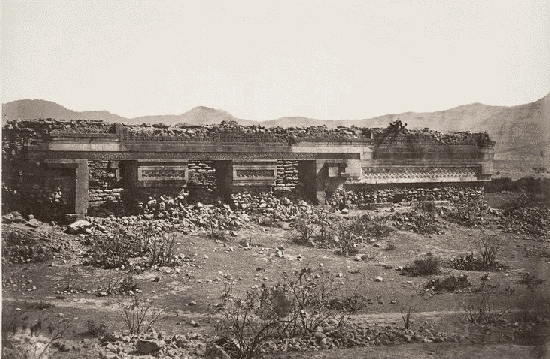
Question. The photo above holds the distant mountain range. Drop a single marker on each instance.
(522, 132)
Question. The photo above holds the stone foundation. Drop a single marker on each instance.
(115, 168)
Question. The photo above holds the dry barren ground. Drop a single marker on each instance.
(190, 295)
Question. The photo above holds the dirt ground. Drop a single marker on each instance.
(66, 288)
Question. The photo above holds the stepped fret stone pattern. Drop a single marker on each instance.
(162, 173)
(416, 174)
(255, 173)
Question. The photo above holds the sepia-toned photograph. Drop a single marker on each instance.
(291, 179)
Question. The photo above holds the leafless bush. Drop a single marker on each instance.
(487, 259)
(23, 338)
(345, 238)
(483, 307)
(139, 315)
(305, 230)
(531, 281)
(297, 305)
(161, 250)
(488, 249)
(116, 283)
(410, 306)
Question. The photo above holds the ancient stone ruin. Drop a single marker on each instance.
(55, 168)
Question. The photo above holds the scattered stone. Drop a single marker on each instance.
(149, 346)
(78, 227)
(216, 352)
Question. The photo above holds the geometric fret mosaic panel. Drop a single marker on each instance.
(418, 174)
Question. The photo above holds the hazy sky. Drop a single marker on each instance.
(262, 60)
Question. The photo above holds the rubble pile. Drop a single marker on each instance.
(281, 209)
(527, 220)
(196, 345)
(357, 334)
(184, 219)
(34, 129)
(168, 214)
(418, 222)
(24, 246)
(233, 132)
(397, 130)
(228, 131)
(358, 195)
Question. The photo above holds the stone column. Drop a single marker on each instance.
(321, 176)
(224, 177)
(82, 188)
(487, 164)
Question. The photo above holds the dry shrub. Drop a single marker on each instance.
(487, 260)
(296, 306)
(448, 284)
(428, 265)
(139, 315)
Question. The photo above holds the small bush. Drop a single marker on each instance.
(39, 306)
(346, 240)
(96, 330)
(488, 248)
(305, 230)
(428, 265)
(531, 281)
(378, 228)
(448, 284)
(116, 250)
(467, 262)
(486, 306)
(161, 250)
(424, 220)
(391, 247)
(139, 315)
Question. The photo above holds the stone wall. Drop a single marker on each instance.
(365, 194)
(104, 188)
(287, 175)
(202, 185)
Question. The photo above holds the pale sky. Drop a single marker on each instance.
(261, 60)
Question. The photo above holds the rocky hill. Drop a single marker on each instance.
(37, 109)
(200, 115)
(524, 129)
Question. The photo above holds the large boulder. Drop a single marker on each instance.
(149, 346)
(78, 227)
